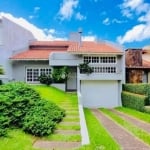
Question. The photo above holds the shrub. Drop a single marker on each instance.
(85, 68)
(138, 88)
(134, 101)
(41, 119)
(60, 74)
(4, 124)
(1, 82)
(45, 79)
(22, 107)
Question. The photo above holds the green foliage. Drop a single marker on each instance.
(85, 68)
(45, 79)
(96, 132)
(1, 82)
(138, 88)
(4, 124)
(42, 118)
(133, 100)
(22, 107)
(1, 70)
(60, 74)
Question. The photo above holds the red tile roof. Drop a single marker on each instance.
(94, 48)
(32, 55)
(40, 50)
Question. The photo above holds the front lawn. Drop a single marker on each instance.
(99, 137)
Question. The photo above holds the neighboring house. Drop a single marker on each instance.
(137, 65)
(13, 38)
(102, 88)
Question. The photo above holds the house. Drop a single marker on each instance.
(101, 88)
(13, 39)
(137, 65)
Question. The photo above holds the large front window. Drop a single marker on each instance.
(32, 74)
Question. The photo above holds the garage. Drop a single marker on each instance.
(97, 93)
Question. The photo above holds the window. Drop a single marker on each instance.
(95, 59)
(108, 60)
(104, 69)
(87, 59)
(32, 74)
(101, 59)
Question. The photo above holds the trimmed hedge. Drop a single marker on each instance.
(133, 100)
(22, 107)
(138, 88)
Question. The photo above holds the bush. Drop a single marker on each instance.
(1, 82)
(60, 74)
(4, 124)
(138, 88)
(22, 107)
(45, 79)
(134, 101)
(42, 118)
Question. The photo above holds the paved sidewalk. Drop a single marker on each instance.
(139, 123)
(122, 136)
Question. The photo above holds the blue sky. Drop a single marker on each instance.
(126, 22)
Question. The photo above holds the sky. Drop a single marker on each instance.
(124, 22)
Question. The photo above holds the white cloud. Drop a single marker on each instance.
(118, 21)
(106, 21)
(145, 18)
(39, 34)
(89, 38)
(67, 9)
(79, 16)
(129, 7)
(36, 9)
(137, 33)
(34, 13)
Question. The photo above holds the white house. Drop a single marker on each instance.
(13, 39)
(101, 88)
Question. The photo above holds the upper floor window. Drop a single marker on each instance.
(87, 59)
(101, 59)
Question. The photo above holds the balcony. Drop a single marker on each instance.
(101, 76)
(64, 59)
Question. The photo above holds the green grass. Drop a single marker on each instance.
(64, 138)
(59, 97)
(140, 115)
(68, 127)
(143, 135)
(100, 139)
(67, 101)
(17, 140)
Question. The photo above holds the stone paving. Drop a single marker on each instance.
(126, 140)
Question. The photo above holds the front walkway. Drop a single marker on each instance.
(122, 136)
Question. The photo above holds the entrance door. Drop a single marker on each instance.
(72, 80)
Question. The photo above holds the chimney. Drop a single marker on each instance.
(76, 36)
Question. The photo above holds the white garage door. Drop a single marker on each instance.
(100, 94)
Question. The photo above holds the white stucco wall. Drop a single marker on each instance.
(19, 68)
(14, 38)
(64, 59)
(100, 93)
